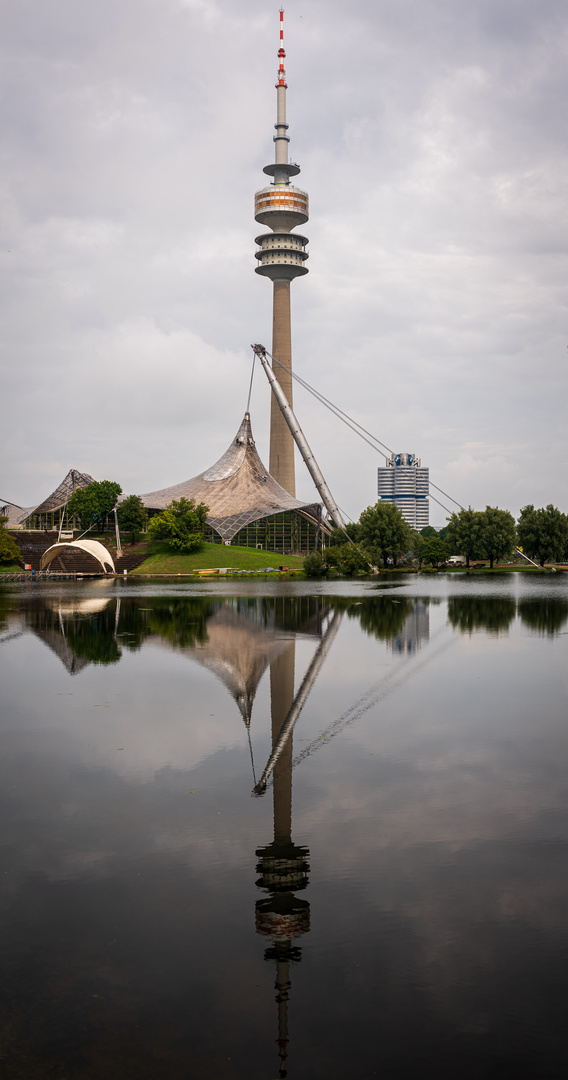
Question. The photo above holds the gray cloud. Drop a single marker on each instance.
(431, 139)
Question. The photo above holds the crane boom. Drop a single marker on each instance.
(300, 440)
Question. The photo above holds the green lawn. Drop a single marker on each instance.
(10, 568)
(162, 560)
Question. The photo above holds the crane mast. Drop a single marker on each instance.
(300, 440)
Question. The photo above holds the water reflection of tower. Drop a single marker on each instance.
(415, 629)
(283, 866)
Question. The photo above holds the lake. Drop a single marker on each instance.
(257, 829)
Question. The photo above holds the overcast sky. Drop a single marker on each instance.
(432, 141)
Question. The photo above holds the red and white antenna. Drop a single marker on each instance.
(281, 55)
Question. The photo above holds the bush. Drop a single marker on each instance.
(315, 565)
(181, 524)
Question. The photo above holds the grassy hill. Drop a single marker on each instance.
(162, 560)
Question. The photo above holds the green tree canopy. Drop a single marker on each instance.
(132, 516)
(434, 551)
(498, 533)
(384, 532)
(543, 533)
(94, 503)
(9, 550)
(463, 534)
(181, 524)
(338, 536)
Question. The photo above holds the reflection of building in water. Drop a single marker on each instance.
(239, 651)
(247, 635)
(75, 630)
(283, 866)
(414, 630)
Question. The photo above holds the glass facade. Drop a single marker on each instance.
(287, 533)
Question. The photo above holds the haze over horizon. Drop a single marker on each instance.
(432, 144)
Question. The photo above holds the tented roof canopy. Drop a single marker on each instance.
(91, 547)
(72, 482)
(238, 489)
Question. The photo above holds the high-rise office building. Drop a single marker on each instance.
(404, 482)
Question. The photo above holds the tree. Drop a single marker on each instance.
(543, 533)
(181, 524)
(384, 532)
(94, 503)
(352, 530)
(463, 533)
(434, 551)
(132, 516)
(348, 559)
(498, 533)
(9, 550)
(315, 564)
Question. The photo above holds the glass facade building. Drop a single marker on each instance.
(404, 482)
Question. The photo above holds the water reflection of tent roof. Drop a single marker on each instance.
(238, 651)
(53, 638)
(245, 637)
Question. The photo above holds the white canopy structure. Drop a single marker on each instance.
(91, 547)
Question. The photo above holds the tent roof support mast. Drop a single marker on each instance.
(300, 440)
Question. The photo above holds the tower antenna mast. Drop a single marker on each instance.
(281, 256)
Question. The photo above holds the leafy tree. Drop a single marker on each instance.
(94, 503)
(463, 534)
(9, 550)
(348, 559)
(181, 524)
(353, 531)
(434, 551)
(315, 564)
(498, 533)
(384, 532)
(543, 533)
(132, 517)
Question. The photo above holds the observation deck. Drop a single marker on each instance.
(281, 207)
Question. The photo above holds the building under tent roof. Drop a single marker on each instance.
(47, 515)
(246, 504)
(14, 514)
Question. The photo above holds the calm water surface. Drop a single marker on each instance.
(267, 829)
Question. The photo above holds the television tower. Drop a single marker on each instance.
(281, 257)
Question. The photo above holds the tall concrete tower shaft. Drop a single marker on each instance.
(281, 256)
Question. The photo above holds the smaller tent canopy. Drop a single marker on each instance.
(91, 547)
(72, 482)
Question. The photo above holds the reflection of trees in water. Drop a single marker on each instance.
(181, 621)
(74, 635)
(382, 617)
(545, 615)
(493, 613)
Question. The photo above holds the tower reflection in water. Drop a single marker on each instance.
(283, 865)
